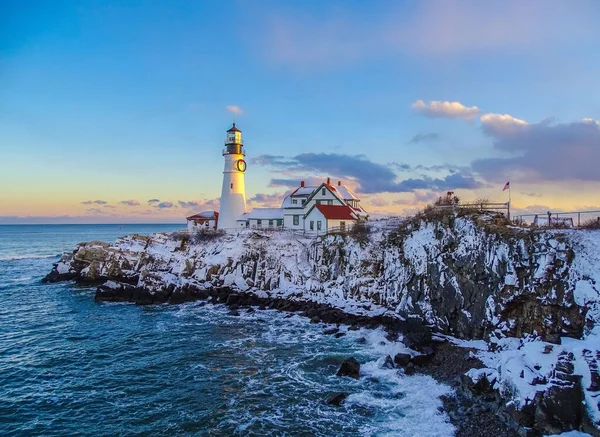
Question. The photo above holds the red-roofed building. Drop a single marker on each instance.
(300, 202)
(203, 221)
(322, 218)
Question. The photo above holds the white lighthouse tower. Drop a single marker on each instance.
(233, 193)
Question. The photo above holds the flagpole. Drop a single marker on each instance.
(509, 200)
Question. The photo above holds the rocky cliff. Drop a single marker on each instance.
(466, 277)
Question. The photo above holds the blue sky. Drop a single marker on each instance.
(121, 101)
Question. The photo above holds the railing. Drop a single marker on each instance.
(479, 206)
(547, 218)
(238, 151)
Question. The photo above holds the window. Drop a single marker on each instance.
(259, 222)
(312, 225)
(319, 225)
(294, 201)
(330, 202)
(322, 191)
(342, 225)
(303, 201)
(296, 220)
(279, 222)
(270, 222)
(232, 185)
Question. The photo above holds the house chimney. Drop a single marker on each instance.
(302, 184)
(328, 181)
(339, 183)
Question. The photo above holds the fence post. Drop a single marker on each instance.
(578, 219)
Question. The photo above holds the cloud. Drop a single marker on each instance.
(419, 138)
(371, 177)
(435, 109)
(545, 151)
(334, 37)
(94, 202)
(97, 211)
(268, 199)
(151, 201)
(295, 182)
(419, 198)
(163, 205)
(376, 201)
(234, 109)
(200, 204)
(130, 202)
(532, 194)
(501, 124)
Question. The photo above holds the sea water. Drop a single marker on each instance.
(70, 365)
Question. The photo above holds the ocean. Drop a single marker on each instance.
(72, 366)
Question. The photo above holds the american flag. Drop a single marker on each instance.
(506, 186)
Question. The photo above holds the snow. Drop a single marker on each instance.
(63, 267)
(264, 213)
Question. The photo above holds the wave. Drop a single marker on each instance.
(21, 257)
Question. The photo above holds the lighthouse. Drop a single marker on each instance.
(233, 192)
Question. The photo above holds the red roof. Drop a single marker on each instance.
(206, 215)
(336, 212)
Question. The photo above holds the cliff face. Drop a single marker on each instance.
(465, 276)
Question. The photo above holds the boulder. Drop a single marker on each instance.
(350, 367)
(388, 363)
(337, 398)
(402, 360)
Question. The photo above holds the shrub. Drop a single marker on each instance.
(183, 236)
(360, 232)
(204, 236)
(593, 223)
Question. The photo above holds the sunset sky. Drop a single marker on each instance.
(117, 111)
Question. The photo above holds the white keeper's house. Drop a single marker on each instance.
(312, 209)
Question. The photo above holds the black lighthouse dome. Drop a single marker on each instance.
(233, 141)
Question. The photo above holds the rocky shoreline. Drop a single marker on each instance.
(525, 294)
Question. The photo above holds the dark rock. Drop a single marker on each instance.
(234, 313)
(331, 331)
(361, 340)
(559, 408)
(353, 328)
(262, 307)
(483, 385)
(548, 348)
(552, 338)
(234, 307)
(340, 334)
(337, 399)
(402, 360)
(232, 299)
(388, 363)
(409, 369)
(315, 319)
(350, 367)
(250, 310)
(424, 358)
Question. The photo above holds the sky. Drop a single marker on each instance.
(116, 111)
